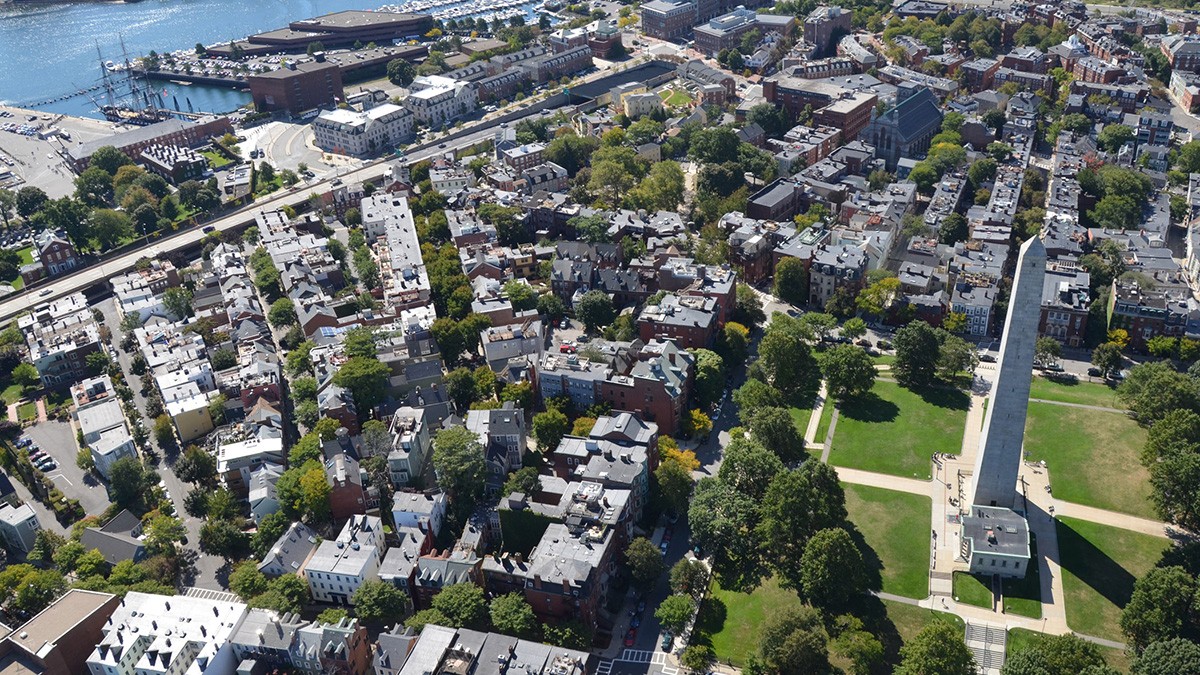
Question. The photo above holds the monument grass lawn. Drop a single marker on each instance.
(1024, 596)
(1020, 639)
(895, 527)
(1092, 456)
(895, 430)
(972, 589)
(800, 417)
(1075, 391)
(730, 621)
(1099, 565)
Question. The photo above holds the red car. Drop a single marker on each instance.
(566, 349)
(630, 637)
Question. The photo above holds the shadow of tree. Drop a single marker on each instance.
(876, 621)
(869, 408)
(1093, 566)
(872, 563)
(943, 397)
(710, 620)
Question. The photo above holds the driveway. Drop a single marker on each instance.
(58, 440)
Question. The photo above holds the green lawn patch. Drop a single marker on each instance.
(215, 159)
(825, 421)
(267, 187)
(910, 619)
(892, 528)
(56, 400)
(1100, 564)
(26, 255)
(674, 97)
(11, 392)
(1021, 639)
(884, 359)
(18, 283)
(731, 622)
(1069, 390)
(27, 411)
(1092, 456)
(1024, 596)
(894, 430)
(972, 589)
(800, 418)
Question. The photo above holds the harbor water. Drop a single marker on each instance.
(48, 51)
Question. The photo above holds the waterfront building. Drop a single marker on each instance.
(297, 87)
(435, 100)
(348, 132)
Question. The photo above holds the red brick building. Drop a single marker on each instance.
(297, 87)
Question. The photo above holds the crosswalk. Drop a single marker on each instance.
(209, 594)
(653, 658)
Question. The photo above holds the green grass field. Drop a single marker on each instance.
(11, 392)
(1092, 456)
(800, 418)
(26, 255)
(27, 411)
(1100, 564)
(894, 430)
(972, 590)
(1024, 596)
(731, 621)
(674, 97)
(1020, 639)
(909, 619)
(825, 421)
(215, 159)
(884, 359)
(1084, 393)
(894, 525)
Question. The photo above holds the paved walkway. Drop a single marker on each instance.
(1124, 521)
(883, 480)
(1084, 406)
(814, 420)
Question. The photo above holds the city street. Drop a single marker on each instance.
(206, 566)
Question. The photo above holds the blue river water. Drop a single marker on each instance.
(49, 51)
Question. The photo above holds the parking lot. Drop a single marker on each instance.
(58, 440)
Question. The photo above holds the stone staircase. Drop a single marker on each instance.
(987, 642)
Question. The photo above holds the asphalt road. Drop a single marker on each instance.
(207, 567)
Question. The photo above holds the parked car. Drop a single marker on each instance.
(883, 344)
(987, 357)
(863, 343)
(36, 456)
(47, 465)
(1094, 372)
(24, 441)
(566, 349)
(631, 637)
(666, 642)
(663, 547)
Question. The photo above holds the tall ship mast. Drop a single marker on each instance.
(140, 106)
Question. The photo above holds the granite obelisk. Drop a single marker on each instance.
(999, 459)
